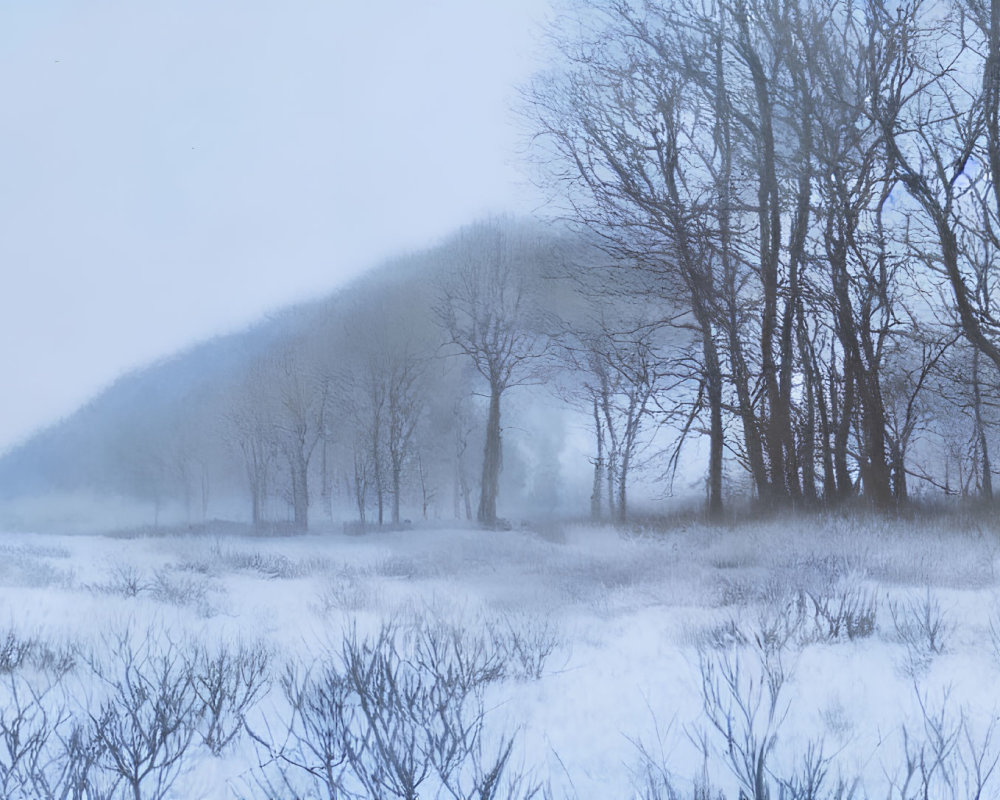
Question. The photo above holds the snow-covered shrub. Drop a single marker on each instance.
(185, 591)
(28, 565)
(125, 580)
(14, 651)
(813, 778)
(150, 713)
(747, 588)
(396, 566)
(744, 707)
(943, 757)
(390, 715)
(181, 588)
(27, 731)
(229, 681)
(347, 592)
(17, 651)
(653, 779)
(722, 636)
(458, 655)
(525, 642)
(818, 571)
(270, 565)
(781, 620)
(844, 611)
(922, 626)
(302, 754)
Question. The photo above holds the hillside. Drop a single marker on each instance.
(74, 453)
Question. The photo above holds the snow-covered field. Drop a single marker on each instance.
(862, 651)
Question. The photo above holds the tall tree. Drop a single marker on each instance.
(251, 418)
(616, 372)
(486, 311)
(300, 423)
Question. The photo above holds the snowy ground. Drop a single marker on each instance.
(879, 639)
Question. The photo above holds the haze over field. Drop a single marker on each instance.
(175, 170)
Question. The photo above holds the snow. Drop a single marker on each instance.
(633, 618)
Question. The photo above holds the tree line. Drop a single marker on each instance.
(810, 189)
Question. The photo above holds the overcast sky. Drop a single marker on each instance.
(173, 169)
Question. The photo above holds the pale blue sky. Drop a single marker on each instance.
(176, 168)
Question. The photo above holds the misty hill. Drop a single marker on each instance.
(76, 452)
(184, 438)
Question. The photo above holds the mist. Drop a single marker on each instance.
(469, 403)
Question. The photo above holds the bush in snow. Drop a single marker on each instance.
(393, 715)
(844, 611)
(943, 757)
(18, 651)
(228, 681)
(149, 715)
(923, 628)
(125, 580)
(525, 641)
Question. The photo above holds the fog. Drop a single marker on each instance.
(174, 170)
(685, 495)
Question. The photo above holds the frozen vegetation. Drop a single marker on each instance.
(773, 285)
(815, 657)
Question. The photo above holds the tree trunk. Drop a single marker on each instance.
(842, 435)
(898, 458)
(326, 481)
(205, 492)
(396, 480)
(487, 513)
(877, 486)
(467, 497)
(621, 506)
(809, 442)
(598, 487)
(255, 501)
(829, 476)
(741, 380)
(425, 491)
(777, 419)
(986, 486)
(360, 489)
(611, 478)
(722, 134)
(379, 493)
(713, 380)
(300, 494)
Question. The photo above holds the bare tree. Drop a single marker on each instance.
(251, 419)
(618, 372)
(303, 404)
(150, 716)
(485, 309)
(405, 408)
(359, 484)
(941, 131)
(389, 407)
(371, 413)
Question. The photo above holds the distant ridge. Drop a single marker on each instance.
(65, 454)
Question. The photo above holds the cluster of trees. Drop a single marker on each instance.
(378, 404)
(810, 190)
